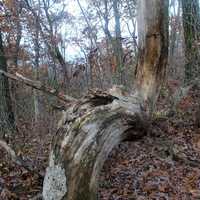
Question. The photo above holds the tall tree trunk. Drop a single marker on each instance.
(7, 121)
(106, 22)
(131, 5)
(153, 49)
(18, 32)
(14, 86)
(191, 25)
(118, 50)
(36, 67)
(174, 24)
(91, 127)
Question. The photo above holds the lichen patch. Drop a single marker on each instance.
(55, 186)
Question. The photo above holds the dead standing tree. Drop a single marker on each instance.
(91, 127)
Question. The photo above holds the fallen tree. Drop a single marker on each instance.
(91, 127)
(88, 132)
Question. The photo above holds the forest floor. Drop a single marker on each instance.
(164, 165)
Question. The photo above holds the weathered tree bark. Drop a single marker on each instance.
(87, 134)
(91, 127)
(7, 121)
(153, 49)
(191, 25)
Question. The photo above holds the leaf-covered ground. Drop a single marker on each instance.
(164, 165)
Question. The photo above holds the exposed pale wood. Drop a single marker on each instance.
(153, 48)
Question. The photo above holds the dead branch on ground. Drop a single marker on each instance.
(18, 160)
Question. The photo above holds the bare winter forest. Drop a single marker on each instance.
(99, 99)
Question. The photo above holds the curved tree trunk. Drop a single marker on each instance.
(88, 133)
(91, 127)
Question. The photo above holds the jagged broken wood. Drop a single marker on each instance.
(39, 86)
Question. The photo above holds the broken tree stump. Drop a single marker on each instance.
(89, 130)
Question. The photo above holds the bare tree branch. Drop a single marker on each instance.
(39, 86)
